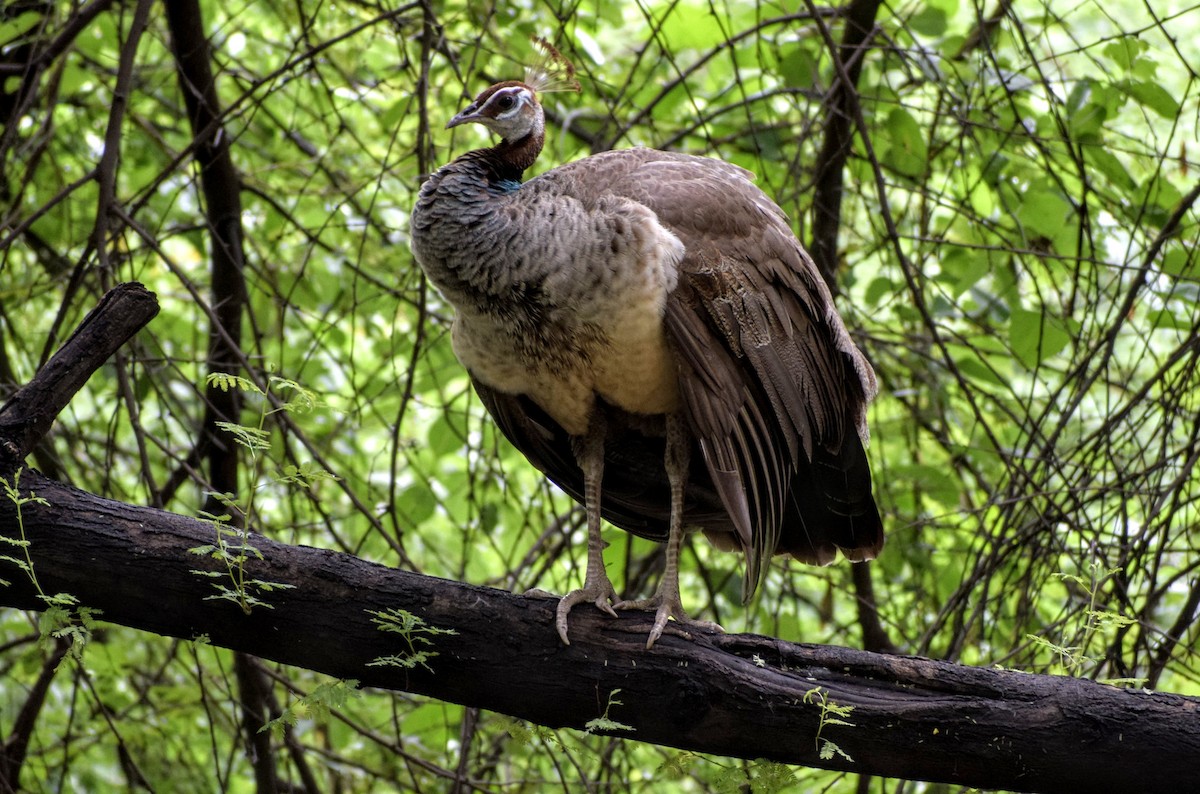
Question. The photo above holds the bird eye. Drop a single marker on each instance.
(505, 101)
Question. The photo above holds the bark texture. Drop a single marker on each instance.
(736, 695)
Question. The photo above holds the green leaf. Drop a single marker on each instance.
(1153, 96)
(249, 437)
(447, 434)
(305, 475)
(935, 482)
(676, 766)
(1178, 261)
(605, 724)
(798, 67)
(983, 199)
(225, 382)
(390, 118)
(906, 151)
(1124, 51)
(414, 632)
(878, 289)
(1107, 163)
(416, 504)
(1086, 123)
(769, 777)
(1043, 211)
(1161, 194)
(16, 27)
(689, 28)
(929, 21)
(962, 268)
(1165, 318)
(1035, 337)
(326, 697)
(974, 368)
(1087, 110)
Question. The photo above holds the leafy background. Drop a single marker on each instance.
(1017, 256)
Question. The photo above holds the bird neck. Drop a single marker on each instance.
(521, 154)
(453, 222)
(506, 162)
(511, 158)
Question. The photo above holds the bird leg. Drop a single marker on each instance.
(666, 599)
(597, 588)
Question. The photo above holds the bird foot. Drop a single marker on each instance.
(599, 592)
(667, 607)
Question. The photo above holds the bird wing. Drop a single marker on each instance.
(773, 387)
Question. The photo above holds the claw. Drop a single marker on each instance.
(600, 593)
(667, 607)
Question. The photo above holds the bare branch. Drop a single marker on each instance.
(27, 417)
(835, 147)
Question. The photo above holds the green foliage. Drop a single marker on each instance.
(603, 722)
(759, 777)
(12, 492)
(769, 778)
(62, 617)
(416, 633)
(1019, 255)
(233, 550)
(1092, 625)
(327, 697)
(832, 714)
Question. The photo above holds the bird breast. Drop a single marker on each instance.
(586, 321)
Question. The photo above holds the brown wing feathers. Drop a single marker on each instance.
(771, 392)
(771, 397)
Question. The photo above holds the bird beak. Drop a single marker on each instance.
(469, 113)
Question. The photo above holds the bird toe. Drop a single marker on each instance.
(599, 593)
(667, 609)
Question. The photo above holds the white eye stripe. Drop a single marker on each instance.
(508, 102)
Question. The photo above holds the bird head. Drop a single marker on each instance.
(509, 109)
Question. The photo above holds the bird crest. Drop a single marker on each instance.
(551, 71)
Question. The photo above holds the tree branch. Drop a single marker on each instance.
(14, 747)
(737, 695)
(835, 146)
(26, 418)
(221, 186)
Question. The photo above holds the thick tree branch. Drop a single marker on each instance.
(737, 695)
(26, 418)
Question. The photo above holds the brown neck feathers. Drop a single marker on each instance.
(513, 157)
